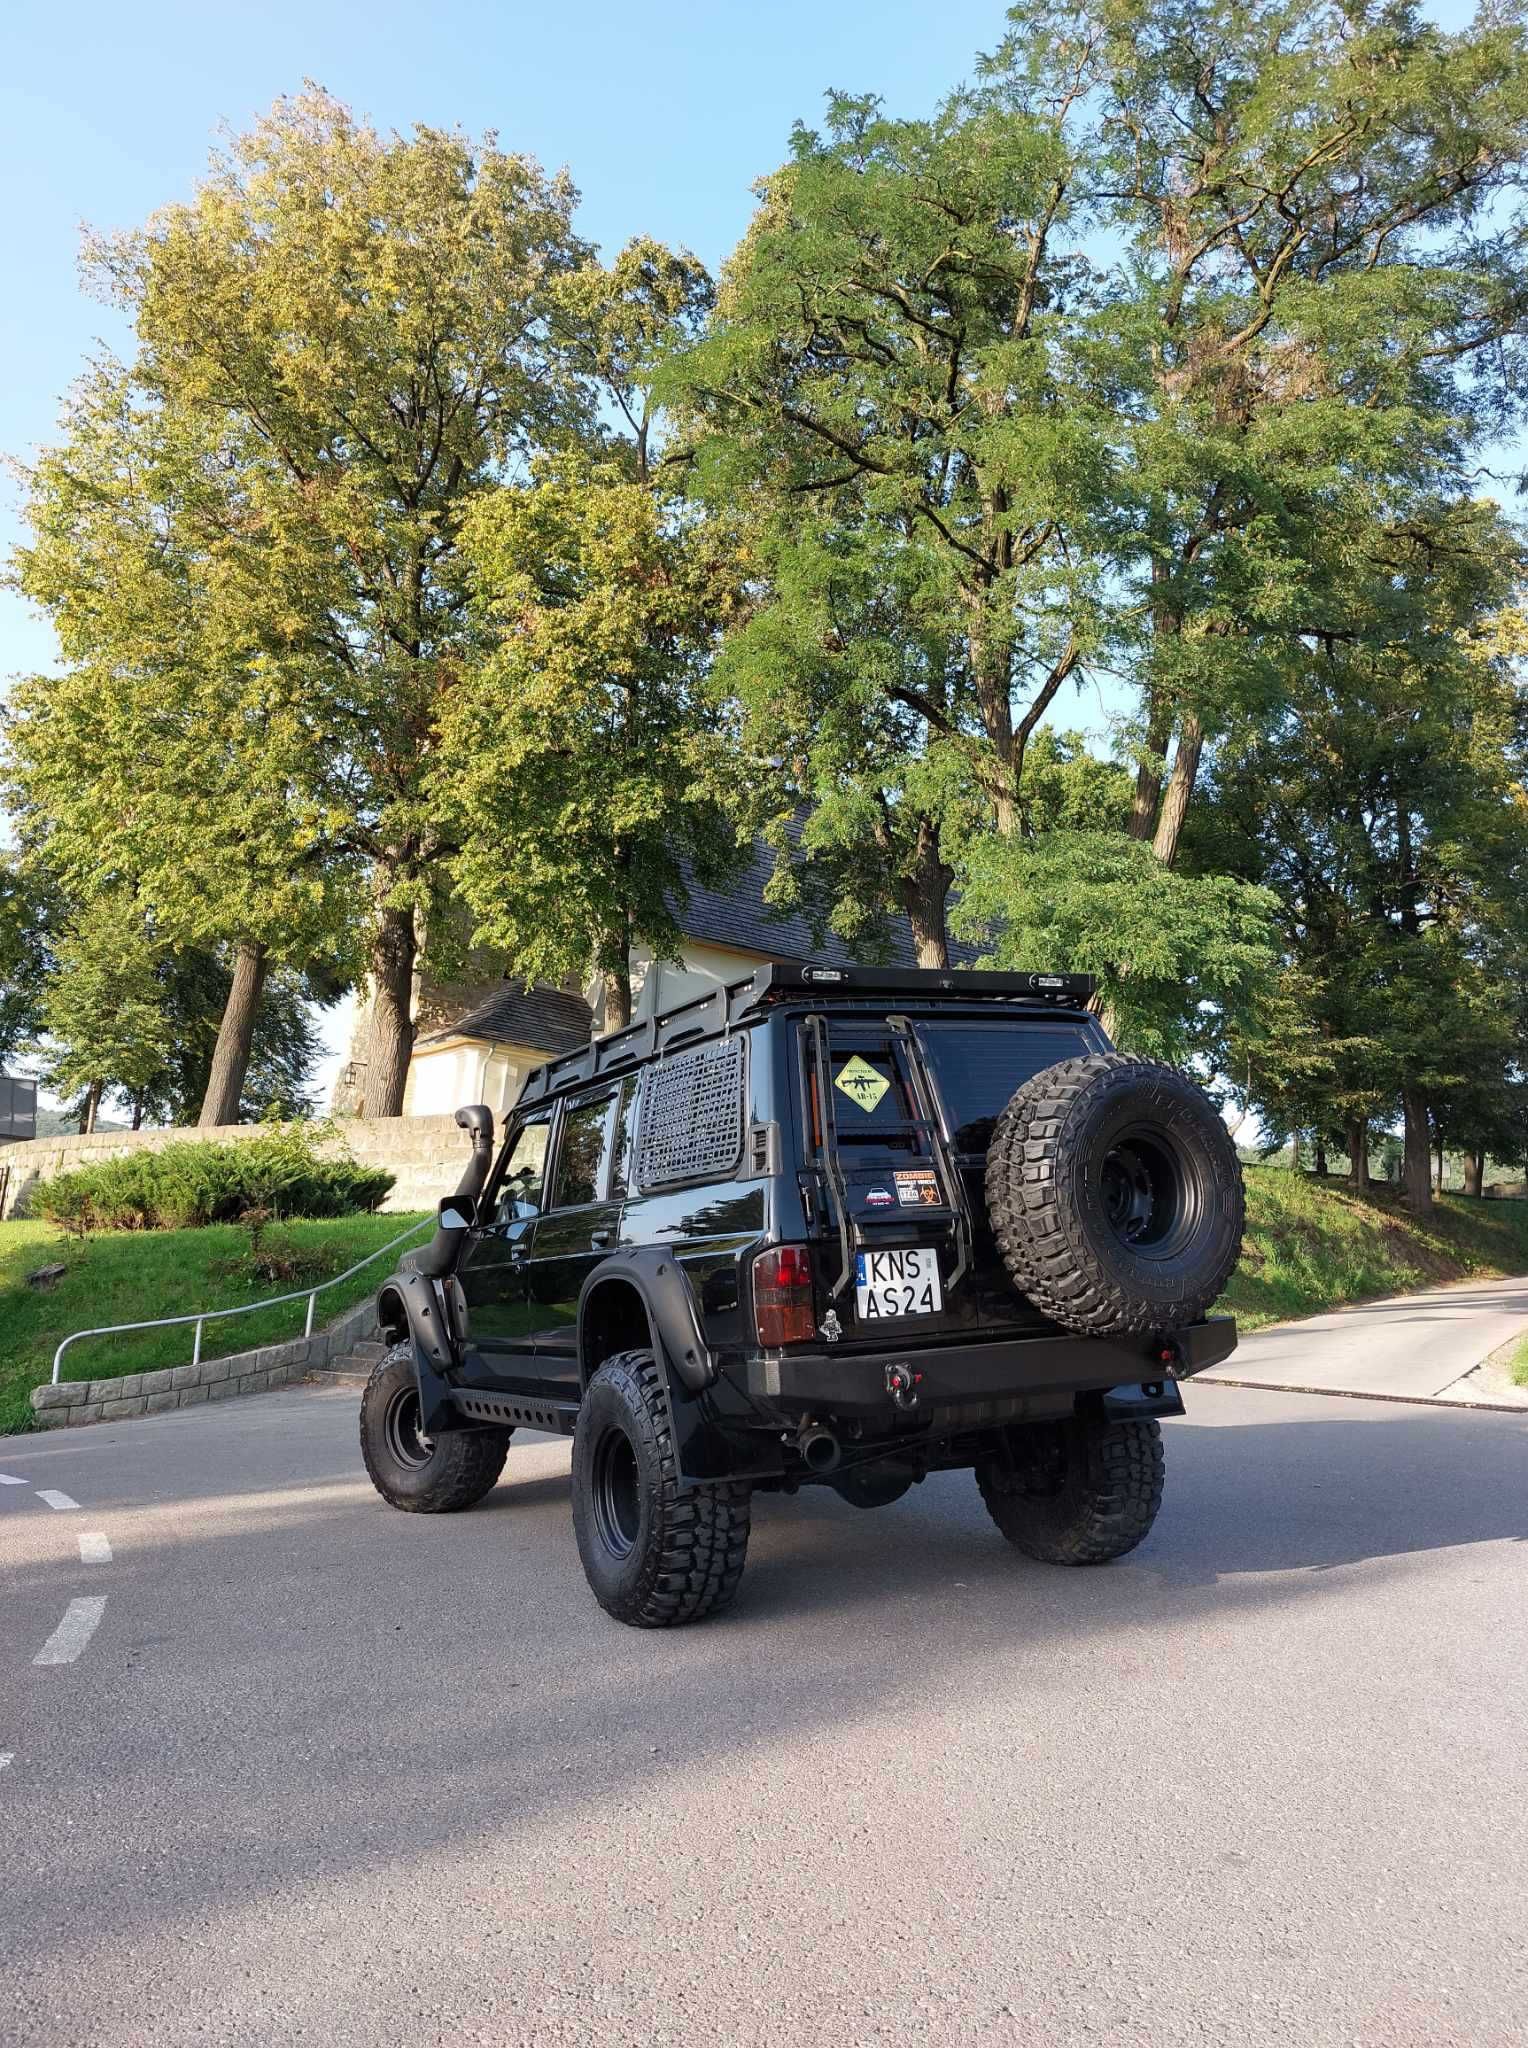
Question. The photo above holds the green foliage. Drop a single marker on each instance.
(248, 541)
(189, 1185)
(584, 762)
(29, 914)
(1384, 807)
(103, 1013)
(1173, 952)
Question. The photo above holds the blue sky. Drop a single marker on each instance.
(664, 115)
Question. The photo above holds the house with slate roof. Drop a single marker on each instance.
(483, 1051)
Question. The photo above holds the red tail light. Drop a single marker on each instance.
(782, 1297)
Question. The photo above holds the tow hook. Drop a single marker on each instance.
(1165, 1352)
(902, 1383)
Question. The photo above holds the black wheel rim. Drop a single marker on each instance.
(617, 1510)
(406, 1442)
(1150, 1197)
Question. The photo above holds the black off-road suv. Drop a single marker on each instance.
(821, 1227)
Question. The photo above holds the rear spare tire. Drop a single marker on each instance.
(1115, 1195)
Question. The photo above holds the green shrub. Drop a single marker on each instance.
(188, 1185)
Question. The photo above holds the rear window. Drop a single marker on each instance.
(977, 1066)
(870, 1094)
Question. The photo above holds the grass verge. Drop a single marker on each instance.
(128, 1276)
(1312, 1245)
(1517, 1364)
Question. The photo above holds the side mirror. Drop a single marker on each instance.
(457, 1212)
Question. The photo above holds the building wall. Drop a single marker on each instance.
(425, 1154)
(442, 1078)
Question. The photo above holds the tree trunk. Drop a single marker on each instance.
(1417, 1165)
(91, 1108)
(1148, 775)
(1358, 1156)
(392, 1023)
(1474, 1174)
(137, 1114)
(992, 676)
(1180, 787)
(924, 894)
(230, 1056)
(618, 996)
(1321, 1157)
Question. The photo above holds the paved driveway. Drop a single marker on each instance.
(1413, 1345)
(321, 1772)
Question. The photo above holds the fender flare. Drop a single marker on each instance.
(660, 1282)
(409, 1306)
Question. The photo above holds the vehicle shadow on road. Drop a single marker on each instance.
(437, 1680)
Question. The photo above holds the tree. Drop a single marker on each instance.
(587, 765)
(992, 451)
(284, 1045)
(1319, 289)
(160, 764)
(881, 377)
(584, 768)
(353, 332)
(29, 913)
(1385, 808)
(103, 1012)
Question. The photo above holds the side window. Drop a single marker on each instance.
(582, 1151)
(520, 1185)
(625, 1137)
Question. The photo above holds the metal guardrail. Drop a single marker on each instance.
(213, 1315)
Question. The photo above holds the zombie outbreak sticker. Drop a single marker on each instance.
(917, 1189)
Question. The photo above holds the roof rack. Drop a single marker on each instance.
(777, 980)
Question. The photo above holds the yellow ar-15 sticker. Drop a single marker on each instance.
(861, 1083)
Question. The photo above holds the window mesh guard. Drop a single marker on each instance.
(692, 1118)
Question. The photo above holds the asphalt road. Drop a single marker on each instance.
(1412, 1345)
(325, 1773)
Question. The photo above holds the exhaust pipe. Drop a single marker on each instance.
(818, 1448)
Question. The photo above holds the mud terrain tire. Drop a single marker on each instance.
(655, 1552)
(422, 1475)
(1115, 1196)
(1083, 1491)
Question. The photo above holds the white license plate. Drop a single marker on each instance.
(897, 1284)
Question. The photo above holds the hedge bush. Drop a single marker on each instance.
(190, 1184)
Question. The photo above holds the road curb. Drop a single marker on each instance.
(1355, 1394)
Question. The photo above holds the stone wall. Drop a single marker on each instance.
(74, 1402)
(425, 1154)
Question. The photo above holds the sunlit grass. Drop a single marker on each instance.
(1311, 1244)
(132, 1276)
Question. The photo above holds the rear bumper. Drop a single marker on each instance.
(1013, 1375)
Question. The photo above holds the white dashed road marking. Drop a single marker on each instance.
(94, 1548)
(54, 1498)
(81, 1619)
(7, 1480)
